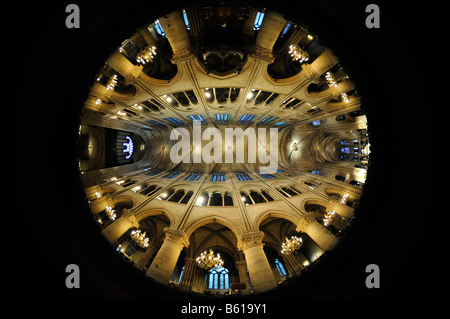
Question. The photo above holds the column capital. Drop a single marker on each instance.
(128, 215)
(124, 67)
(307, 220)
(310, 73)
(262, 54)
(333, 202)
(251, 239)
(183, 56)
(133, 75)
(176, 236)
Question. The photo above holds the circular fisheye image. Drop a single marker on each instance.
(223, 149)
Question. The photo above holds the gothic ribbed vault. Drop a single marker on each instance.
(209, 71)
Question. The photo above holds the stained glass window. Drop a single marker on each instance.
(186, 21)
(280, 267)
(128, 147)
(219, 278)
(258, 20)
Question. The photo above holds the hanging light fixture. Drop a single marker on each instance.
(329, 217)
(330, 79)
(112, 82)
(111, 213)
(209, 260)
(140, 238)
(291, 245)
(146, 55)
(344, 97)
(344, 199)
(298, 54)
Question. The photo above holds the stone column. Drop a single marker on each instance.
(199, 277)
(271, 28)
(176, 32)
(241, 266)
(145, 257)
(342, 87)
(343, 210)
(124, 67)
(187, 280)
(114, 231)
(258, 266)
(145, 33)
(320, 65)
(293, 263)
(92, 192)
(98, 205)
(166, 259)
(321, 236)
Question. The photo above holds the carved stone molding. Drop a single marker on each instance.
(333, 204)
(263, 54)
(128, 215)
(306, 221)
(251, 239)
(176, 236)
(309, 72)
(133, 75)
(182, 55)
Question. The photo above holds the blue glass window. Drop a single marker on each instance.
(172, 174)
(128, 147)
(156, 123)
(267, 120)
(159, 29)
(243, 176)
(218, 177)
(181, 274)
(197, 118)
(174, 120)
(219, 278)
(186, 21)
(266, 176)
(154, 172)
(222, 118)
(280, 267)
(194, 177)
(258, 20)
(246, 118)
(286, 29)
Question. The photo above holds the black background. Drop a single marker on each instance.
(397, 224)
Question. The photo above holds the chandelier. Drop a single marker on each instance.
(344, 97)
(291, 245)
(110, 212)
(112, 83)
(330, 79)
(298, 54)
(329, 217)
(344, 199)
(140, 238)
(146, 55)
(209, 260)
